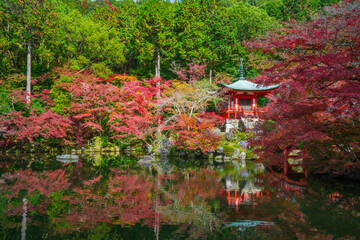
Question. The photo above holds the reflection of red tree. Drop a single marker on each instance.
(204, 184)
(120, 198)
(44, 183)
(190, 206)
(128, 200)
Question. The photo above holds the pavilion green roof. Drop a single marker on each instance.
(244, 85)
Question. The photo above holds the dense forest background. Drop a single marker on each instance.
(127, 36)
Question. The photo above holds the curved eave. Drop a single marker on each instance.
(249, 86)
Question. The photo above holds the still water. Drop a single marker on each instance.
(111, 197)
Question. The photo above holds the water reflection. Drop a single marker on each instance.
(85, 199)
(23, 223)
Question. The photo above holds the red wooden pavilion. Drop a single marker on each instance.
(242, 97)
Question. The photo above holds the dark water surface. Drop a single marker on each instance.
(111, 197)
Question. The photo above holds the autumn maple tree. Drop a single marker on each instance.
(136, 115)
(26, 123)
(318, 100)
(87, 100)
(191, 127)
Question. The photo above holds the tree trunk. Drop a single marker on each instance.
(23, 223)
(158, 85)
(211, 70)
(157, 71)
(157, 214)
(28, 71)
(157, 63)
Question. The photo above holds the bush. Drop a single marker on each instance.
(241, 136)
(229, 150)
(249, 154)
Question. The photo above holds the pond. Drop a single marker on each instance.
(111, 197)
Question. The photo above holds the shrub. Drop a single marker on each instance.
(229, 150)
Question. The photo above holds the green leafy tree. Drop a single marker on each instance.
(89, 44)
(154, 37)
(120, 15)
(192, 32)
(204, 34)
(274, 8)
(24, 25)
(250, 21)
(221, 37)
(298, 10)
(319, 4)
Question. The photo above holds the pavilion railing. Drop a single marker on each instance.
(232, 113)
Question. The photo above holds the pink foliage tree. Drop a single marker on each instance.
(197, 132)
(195, 72)
(92, 101)
(136, 114)
(31, 124)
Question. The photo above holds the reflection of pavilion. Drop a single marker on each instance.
(243, 224)
(248, 198)
(245, 195)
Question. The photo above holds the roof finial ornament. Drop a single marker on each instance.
(241, 70)
(246, 86)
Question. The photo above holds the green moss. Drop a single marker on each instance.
(241, 136)
(229, 167)
(229, 150)
(249, 154)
